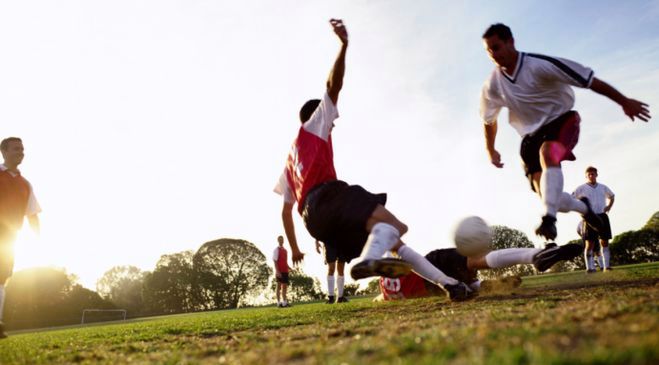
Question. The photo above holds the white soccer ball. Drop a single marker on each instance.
(472, 237)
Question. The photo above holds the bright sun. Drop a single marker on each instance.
(29, 250)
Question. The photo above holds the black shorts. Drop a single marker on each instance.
(564, 129)
(336, 213)
(283, 278)
(331, 255)
(451, 263)
(590, 234)
(7, 237)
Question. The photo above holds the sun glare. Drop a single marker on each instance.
(30, 250)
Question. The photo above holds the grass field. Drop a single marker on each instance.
(567, 318)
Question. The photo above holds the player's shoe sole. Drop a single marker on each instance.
(387, 267)
(548, 257)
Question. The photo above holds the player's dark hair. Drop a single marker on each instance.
(591, 169)
(308, 108)
(5, 142)
(500, 30)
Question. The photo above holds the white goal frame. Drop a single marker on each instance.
(85, 311)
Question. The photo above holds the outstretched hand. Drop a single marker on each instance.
(340, 30)
(297, 257)
(495, 158)
(634, 108)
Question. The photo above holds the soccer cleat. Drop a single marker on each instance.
(591, 271)
(546, 258)
(547, 228)
(2, 331)
(330, 299)
(342, 300)
(592, 219)
(458, 292)
(387, 267)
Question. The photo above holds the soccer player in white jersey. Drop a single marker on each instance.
(345, 217)
(601, 200)
(537, 91)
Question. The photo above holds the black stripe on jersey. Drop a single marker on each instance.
(519, 67)
(565, 68)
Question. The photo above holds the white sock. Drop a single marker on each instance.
(339, 285)
(606, 257)
(568, 203)
(383, 237)
(330, 285)
(510, 256)
(2, 301)
(551, 188)
(589, 260)
(600, 261)
(423, 267)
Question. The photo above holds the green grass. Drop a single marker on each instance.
(567, 318)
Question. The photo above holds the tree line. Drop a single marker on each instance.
(228, 273)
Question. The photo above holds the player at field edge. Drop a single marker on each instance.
(601, 199)
(537, 91)
(466, 269)
(17, 201)
(280, 259)
(346, 217)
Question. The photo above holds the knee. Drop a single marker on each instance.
(552, 153)
(402, 228)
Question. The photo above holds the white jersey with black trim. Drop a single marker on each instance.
(535, 94)
(597, 195)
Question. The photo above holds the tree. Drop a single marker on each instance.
(634, 247)
(229, 271)
(122, 285)
(505, 237)
(653, 222)
(41, 297)
(373, 287)
(170, 287)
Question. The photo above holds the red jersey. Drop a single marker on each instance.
(405, 287)
(14, 196)
(311, 158)
(281, 259)
(310, 162)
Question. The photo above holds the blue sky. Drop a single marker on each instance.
(152, 127)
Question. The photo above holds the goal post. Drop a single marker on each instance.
(122, 312)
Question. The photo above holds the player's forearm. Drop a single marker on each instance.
(607, 90)
(33, 220)
(289, 228)
(335, 79)
(490, 135)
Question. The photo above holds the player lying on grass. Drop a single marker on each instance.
(465, 269)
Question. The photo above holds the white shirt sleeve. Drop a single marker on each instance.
(321, 121)
(283, 189)
(566, 71)
(609, 194)
(275, 255)
(33, 206)
(490, 104)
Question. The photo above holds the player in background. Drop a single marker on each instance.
(17, 201)
(345, 217)
(466, 269)
(334, 264)
(537, 91)
(280, 259)
(601, 200)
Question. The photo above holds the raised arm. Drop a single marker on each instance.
(632, 108)
(490, 137)
(335, 80)
(289, 229)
